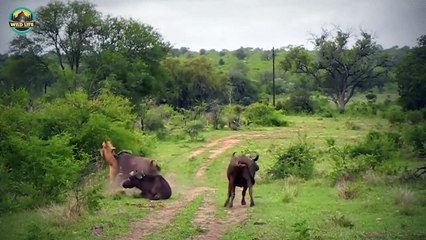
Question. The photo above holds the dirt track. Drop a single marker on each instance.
(205, 218)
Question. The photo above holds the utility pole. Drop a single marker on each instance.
(273, 77)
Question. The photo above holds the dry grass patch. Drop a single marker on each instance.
(407, 201)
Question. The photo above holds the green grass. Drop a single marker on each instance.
(182, 225)
(285, 209)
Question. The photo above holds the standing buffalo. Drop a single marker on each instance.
(124, 162)
(153, 187)
(240, 173)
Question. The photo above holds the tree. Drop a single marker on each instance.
(70, 29)
(411, 77)
(191, 82)
(338, 70)
(243, 91)
(127, 59)
(25, 68)
(240, 53)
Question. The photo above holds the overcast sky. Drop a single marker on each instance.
(230, 24)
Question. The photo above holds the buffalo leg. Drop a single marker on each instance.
(231, 194)
(243, 200)
(251, 195)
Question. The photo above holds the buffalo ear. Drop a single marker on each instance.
(155, 165)
(233, 155)
(256, 158)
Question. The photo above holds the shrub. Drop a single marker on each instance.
(346, 167)
(381, 146)
(302, 230)
(414, 117)
(415, 136)
(264, 115)
(194, 128)
(359, 108)
(349, 189)
(297, 160)
(395, 115)
(232, 116)
(46, 151)
(300, 102)
(153, 121)
(338, 219)
(45, 170)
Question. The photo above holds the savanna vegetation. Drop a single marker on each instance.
(338, 151)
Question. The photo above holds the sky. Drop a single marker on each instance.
(231, 24)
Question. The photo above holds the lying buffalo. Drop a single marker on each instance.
(153, 187)
(123, 163)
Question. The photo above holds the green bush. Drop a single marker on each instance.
(43, 172)
(347, 167)
(414, 117)
(153, 121)
(376, 148)
(45, 152)
(415, 137)
(360, 108)
(381, 146)
(395, 115)
(297, 160)
(232, 116)
(194, 128)
(264, 115)
(300, 102)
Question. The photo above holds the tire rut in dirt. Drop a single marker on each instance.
(157, 219)
(213, 227)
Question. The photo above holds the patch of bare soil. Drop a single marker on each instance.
(225, 144)
(210, 145)
(158, 219)
(213, 227)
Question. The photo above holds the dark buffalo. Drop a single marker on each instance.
(241, 172)
(153, 187)
(123, 163)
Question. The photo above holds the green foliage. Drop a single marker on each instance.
(194, 128)
(37, 232)
(153, 121)
(300, 101)
(339, 70)
(302, 230)
(241, 53)
(395, 114)
(232, 116)
(297, 160)
(341, 220)
(46, 151)
(381, 145)
(351, 161)
(414, 117)
(38, 170)
(411, 75)
(264, 115)
(415, 137)
(191, 82)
